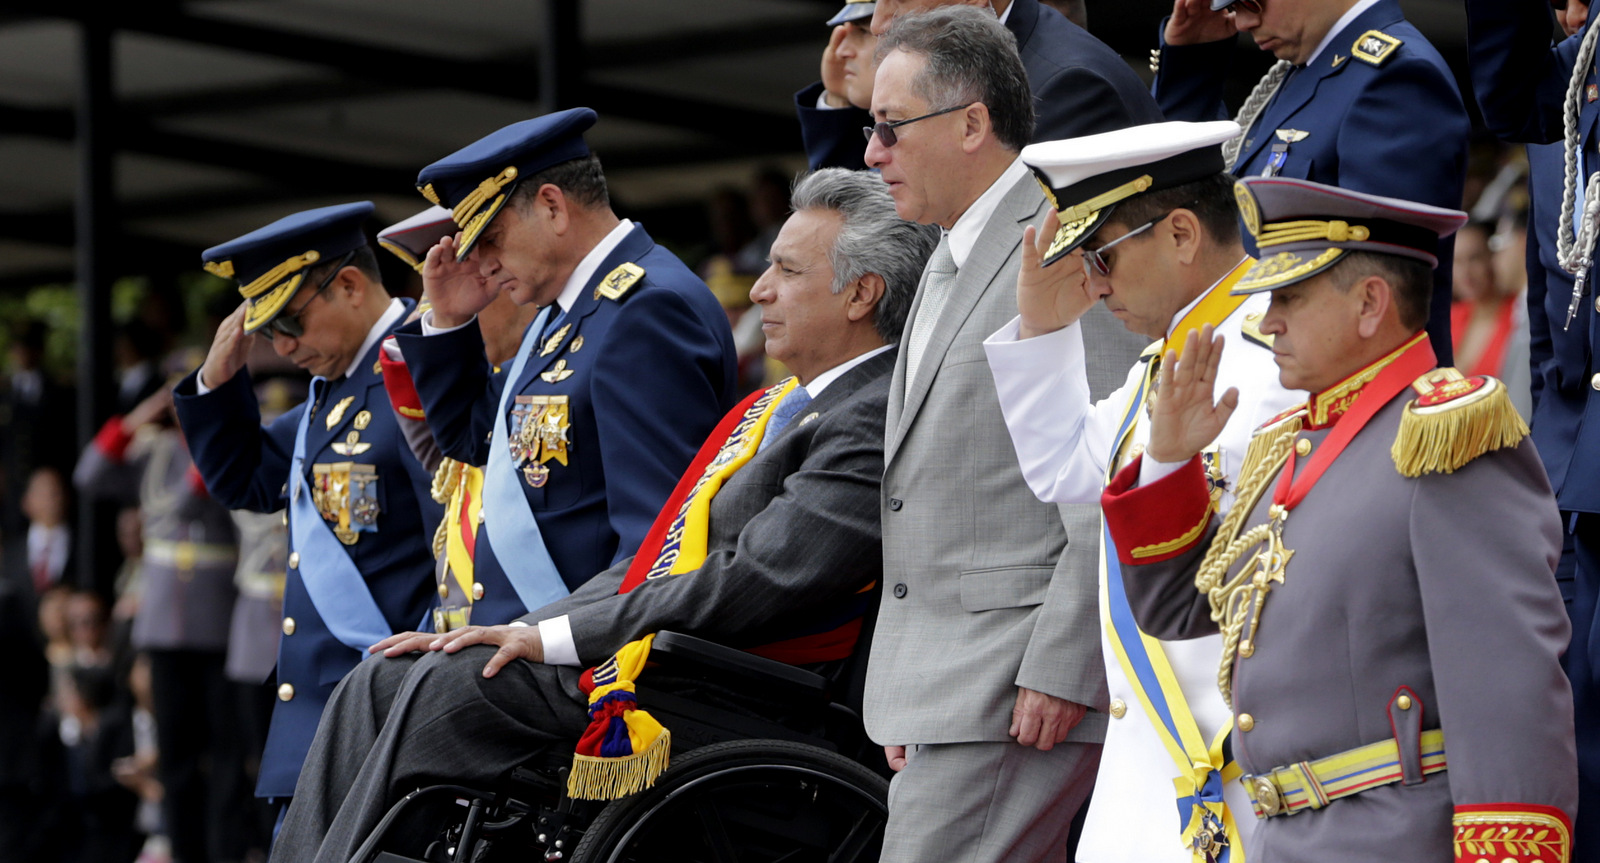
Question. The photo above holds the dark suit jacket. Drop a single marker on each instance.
(795, 534)
(1398, 128)
(647, 376)
(1080, 87)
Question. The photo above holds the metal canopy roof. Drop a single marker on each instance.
(230, 113)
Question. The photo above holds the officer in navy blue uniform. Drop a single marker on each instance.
(359, 512)
(627, 368)
(1521, 83)
(1362, 102)
(1080, 86)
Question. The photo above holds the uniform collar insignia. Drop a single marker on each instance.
(1326, 407)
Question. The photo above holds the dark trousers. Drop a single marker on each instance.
(207, 805)
(395, 725)
(1583, 669)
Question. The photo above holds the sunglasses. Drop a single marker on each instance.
(1094, 260)
(885, 131)
(289, 324)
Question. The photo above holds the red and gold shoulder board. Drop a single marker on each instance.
(1289, 414)
(1454, 419)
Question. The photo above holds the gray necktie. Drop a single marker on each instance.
(935, 290)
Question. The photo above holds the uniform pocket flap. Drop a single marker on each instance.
(1004, 587)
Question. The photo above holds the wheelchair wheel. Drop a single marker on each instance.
(755, 801)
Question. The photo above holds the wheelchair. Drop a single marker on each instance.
(770, 762)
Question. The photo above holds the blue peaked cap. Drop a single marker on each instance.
(270, 263)
(475, 181)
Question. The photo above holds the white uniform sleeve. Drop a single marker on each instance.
(1063, 441)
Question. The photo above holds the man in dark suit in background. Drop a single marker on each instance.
(791, 544)
(1080, 86)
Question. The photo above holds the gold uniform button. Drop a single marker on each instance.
(286, 692)
(1403, 702)
(482, 514)
(1246, 722)
(285, 518)
(1596, 299)
(1118, 708)
(1302, 447)
(294, 560)
(288, 626)
(477, 591)
(1595, 382)
(444, 590)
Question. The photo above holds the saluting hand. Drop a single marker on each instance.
(454, 287)
(229, 350)
(833, 70)
(1053, 297)
(1184, 420)
(1193, 23)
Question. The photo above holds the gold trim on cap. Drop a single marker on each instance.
(1310, 230)
(465, 211)
(1249, 212)
(1283, 268)
(265, 308)
(220, 268)
(1101, 201)
(402, 253)
(432, 196)
(270, 279)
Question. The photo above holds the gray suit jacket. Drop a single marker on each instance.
(794, 536)
(982, 590)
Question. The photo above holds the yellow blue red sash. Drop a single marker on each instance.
(1208, 827)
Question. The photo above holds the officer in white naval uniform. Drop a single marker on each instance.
(1148, 224)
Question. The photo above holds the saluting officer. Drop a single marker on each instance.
(1391, 627)
(1358, 99)
(1155, 217)
(359, 514)
(627, 368)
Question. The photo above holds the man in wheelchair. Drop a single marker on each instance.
(770, 543)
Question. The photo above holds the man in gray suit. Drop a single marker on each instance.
(793, 539)
(973, 560)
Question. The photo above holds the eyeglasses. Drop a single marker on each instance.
(885, 131)
(1254, 7)
(289, 324)
(1094, 259)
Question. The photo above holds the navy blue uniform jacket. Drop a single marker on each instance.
(651, 373)
(1080, 87)
(1398, 128)
(246, 466)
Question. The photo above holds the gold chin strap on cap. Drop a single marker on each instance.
(1105, 199)
(272, 277)
(486, 190)
(1310, 230)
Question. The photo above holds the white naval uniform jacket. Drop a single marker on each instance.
(1064, 443)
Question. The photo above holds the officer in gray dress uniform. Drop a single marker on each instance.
(1384, 584)
(189, 555)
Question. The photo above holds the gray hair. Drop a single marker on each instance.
(972, 57)
(872, 239)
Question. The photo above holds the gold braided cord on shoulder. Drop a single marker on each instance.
(445, 480)
(1266, 455)
(1309, 230)
(272, 277)
(486, 190)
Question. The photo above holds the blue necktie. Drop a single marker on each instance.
(787, 410)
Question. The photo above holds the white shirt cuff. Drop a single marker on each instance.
(822, 102)
(556, 635)
(428, 329)
(200, 387)
(1151, 470)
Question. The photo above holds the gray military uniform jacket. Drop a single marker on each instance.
(1439, 587)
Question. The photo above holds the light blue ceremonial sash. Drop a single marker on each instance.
(1202, 769)
(513, 532)
(331, 579)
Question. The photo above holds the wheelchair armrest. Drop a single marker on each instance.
(737, 662)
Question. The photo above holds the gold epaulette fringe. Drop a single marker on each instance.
(1455, 420)
(445, 480)
(613, 778)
